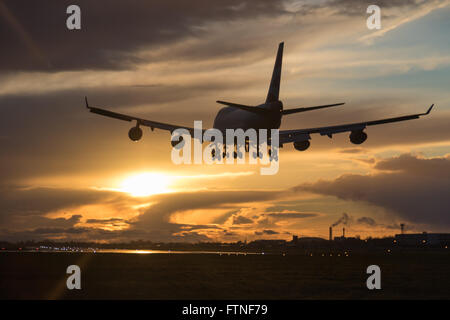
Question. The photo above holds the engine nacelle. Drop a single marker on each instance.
(358, 137)
(301, 145)
(178, 144)
(135, 133)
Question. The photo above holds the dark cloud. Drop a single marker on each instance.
(110, 221)
(112, 31)
(266, 232)
(291, 215)
(352, 150)
(356, 7)
(359, 7)
(19, 201)
(30, 222)
(241, 220)
(413, 188)
(367, 221)
(23, 210)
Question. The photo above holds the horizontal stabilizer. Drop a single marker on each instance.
(243, 107)
(296, 110)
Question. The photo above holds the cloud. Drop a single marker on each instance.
(367, 221)
(291, 215)
(21, 201)
(411, 187)
(103, 221)
(112, 31)
(352, 150)
(241, 220)
(157, 218)
(266, 232)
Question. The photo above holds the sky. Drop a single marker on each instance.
(67, 174)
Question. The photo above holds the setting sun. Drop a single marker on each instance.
(145, 184)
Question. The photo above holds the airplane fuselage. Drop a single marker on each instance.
(233, 118)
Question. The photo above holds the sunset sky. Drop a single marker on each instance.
(67, 174)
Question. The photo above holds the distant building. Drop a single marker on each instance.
(268, 243)
(423, 239)
(344, 238)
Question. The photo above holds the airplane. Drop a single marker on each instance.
(267, 115)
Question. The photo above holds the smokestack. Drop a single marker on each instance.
(402, 228)
(331, 233)
(343, 232)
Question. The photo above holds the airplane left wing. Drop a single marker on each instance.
(287, 136)
(139, 121)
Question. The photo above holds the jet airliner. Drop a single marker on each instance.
(267, 115)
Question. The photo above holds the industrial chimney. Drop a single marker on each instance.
(402, 228)
(343, 232)
(331, 233)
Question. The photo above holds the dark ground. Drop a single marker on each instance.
(404, 275)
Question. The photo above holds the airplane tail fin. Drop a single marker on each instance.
(274, 89)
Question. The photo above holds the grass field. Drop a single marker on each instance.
(404, 275)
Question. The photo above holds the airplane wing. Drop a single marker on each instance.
(287, 136)
(139, 121)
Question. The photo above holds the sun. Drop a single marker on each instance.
(146, 184)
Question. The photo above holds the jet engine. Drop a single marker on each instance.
(135, 133)
(358, 137)
(301, 145)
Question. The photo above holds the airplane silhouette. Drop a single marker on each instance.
(267, 115)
